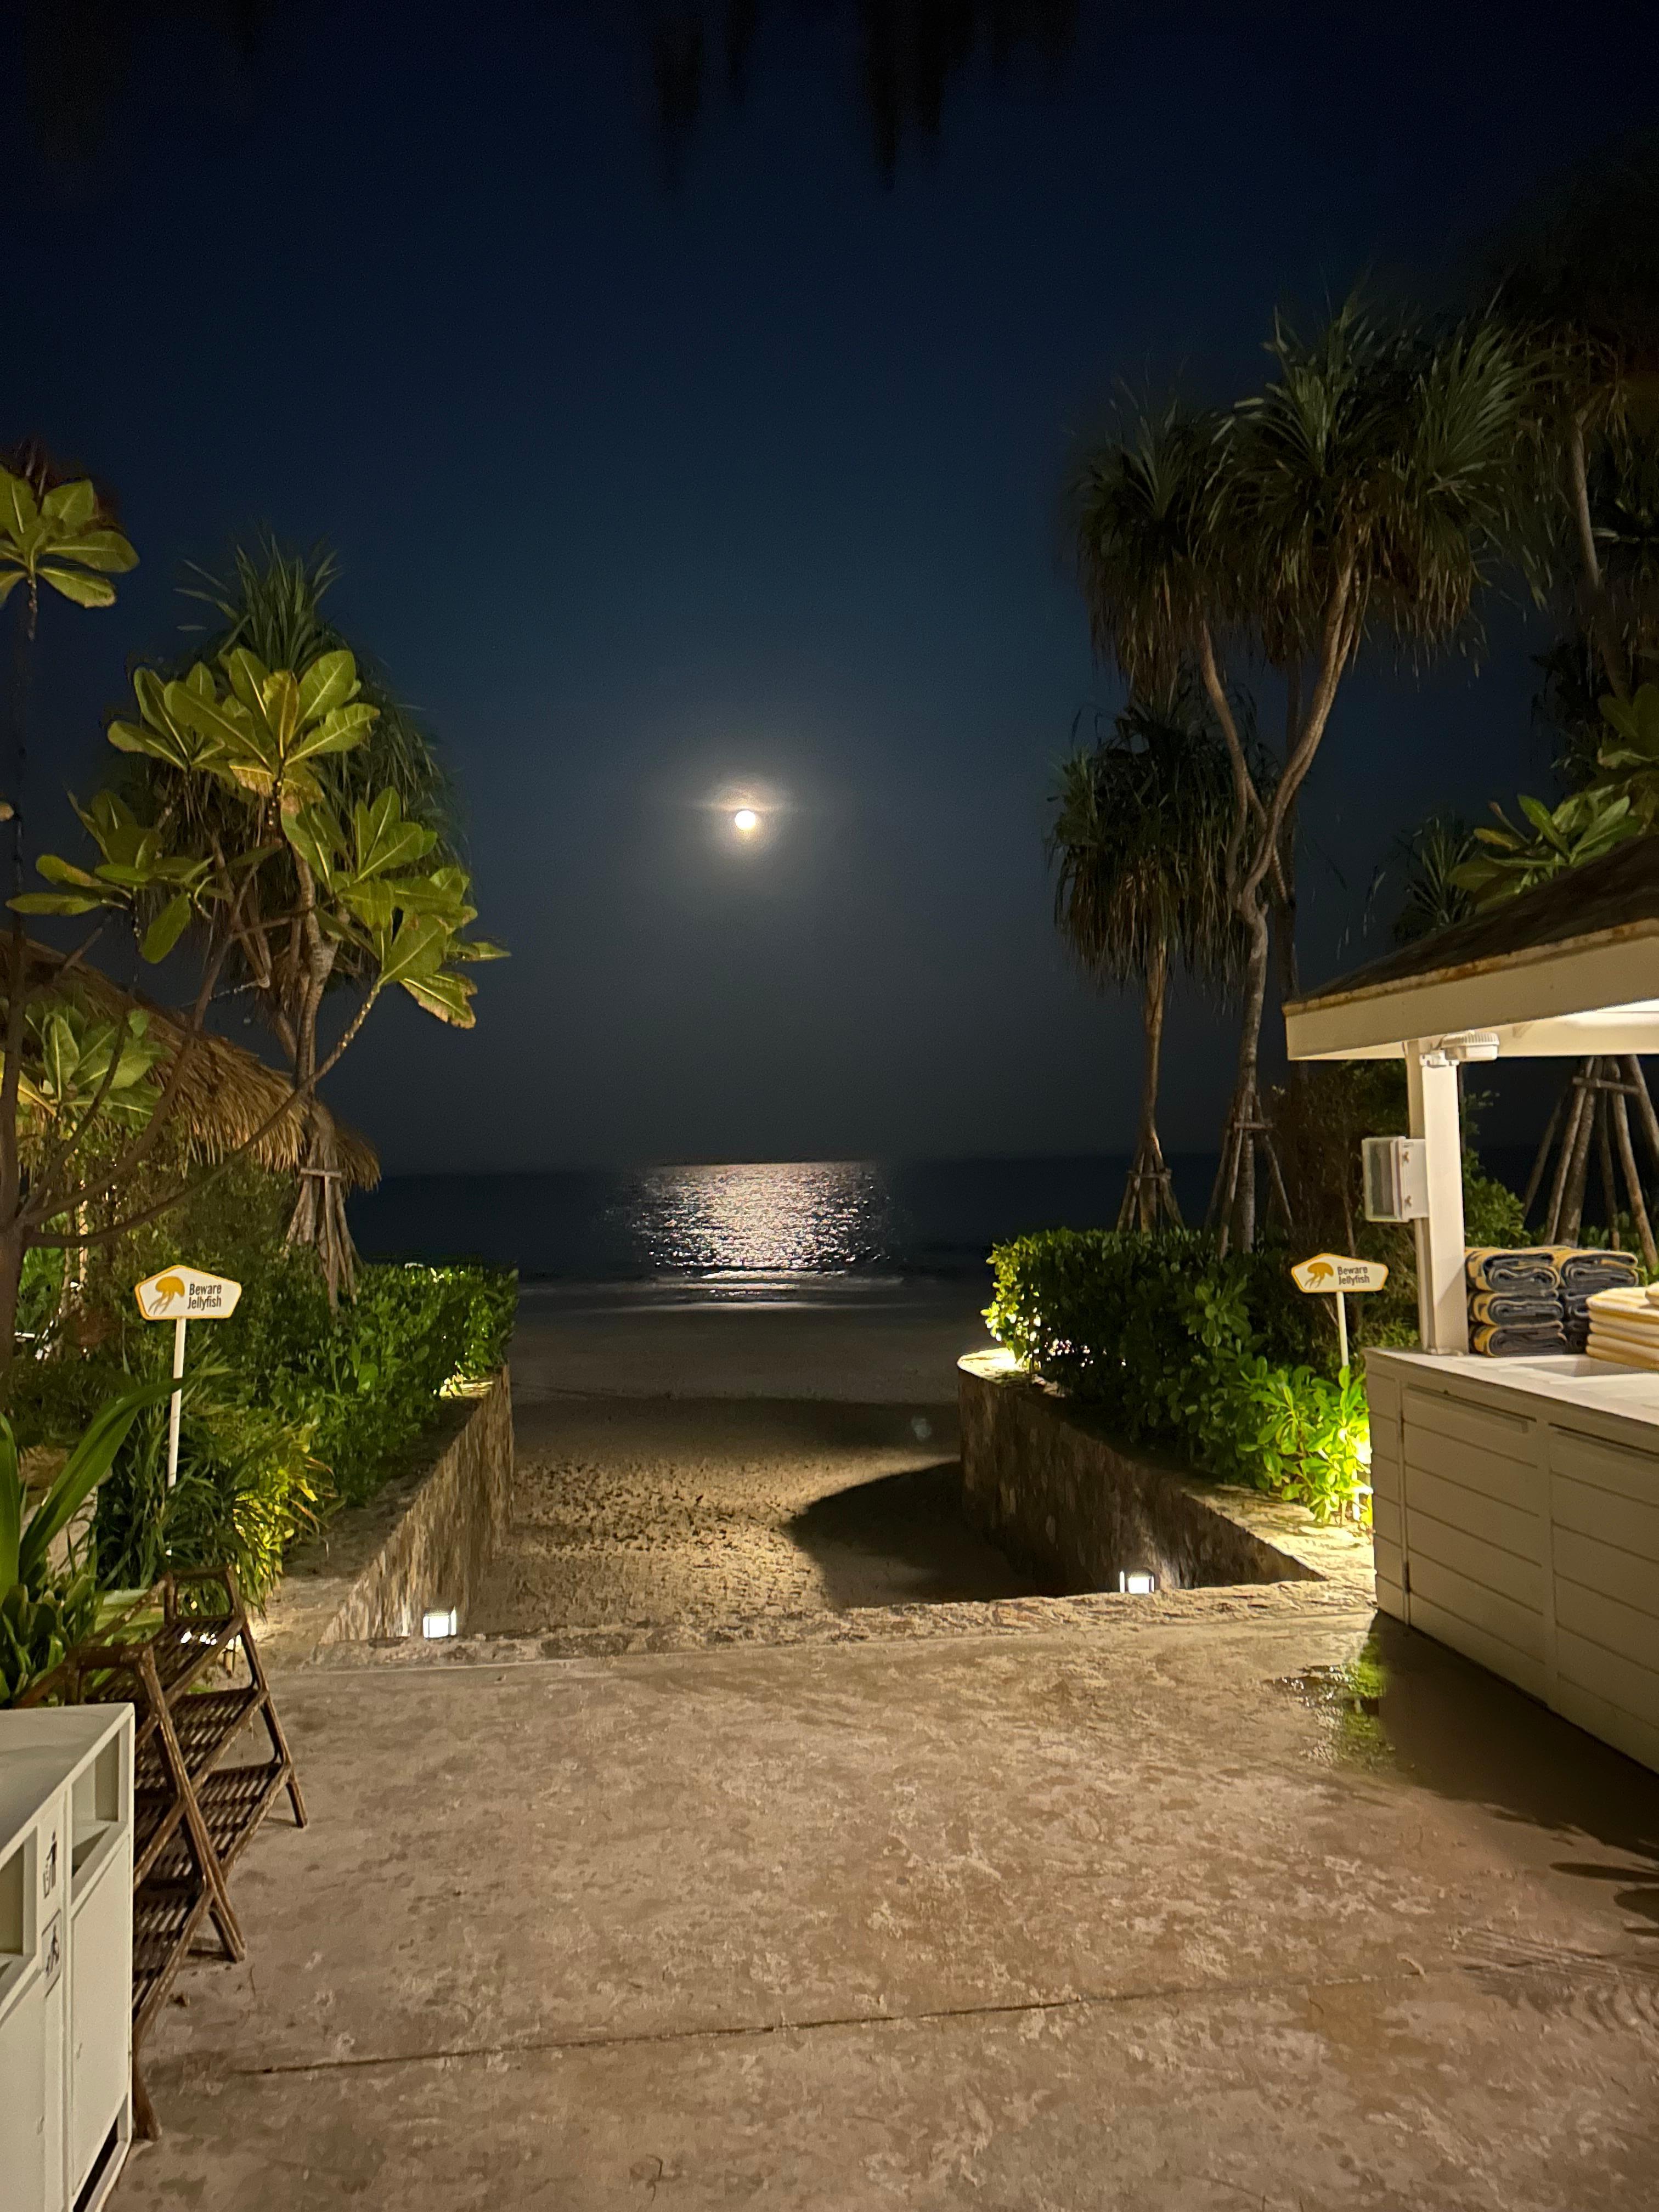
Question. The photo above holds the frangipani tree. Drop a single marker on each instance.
(59, 537)
(272, 601)
(283, 884)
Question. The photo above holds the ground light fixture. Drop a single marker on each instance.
(1137, 1583)
(439, 1622)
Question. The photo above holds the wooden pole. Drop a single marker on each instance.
(1604, 1161)
(174, 1403)
(1633, 1180)
(1563, 1161)
(1649, 1119)
(1577, 1173)
(1542, 1160)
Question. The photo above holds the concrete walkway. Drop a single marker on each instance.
(1149, 1916)
(1059, 1905)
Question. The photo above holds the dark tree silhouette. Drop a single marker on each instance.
(902, 56)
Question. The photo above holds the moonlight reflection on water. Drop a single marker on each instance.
(814, 1217)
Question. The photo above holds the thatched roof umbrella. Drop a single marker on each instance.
(225, 1093)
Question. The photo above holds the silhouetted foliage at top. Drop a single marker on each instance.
(78, 56)
(909, 54)
(1584, 255)
(904, 54)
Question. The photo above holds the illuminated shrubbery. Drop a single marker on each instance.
(288, 1411)
(1210, 1357)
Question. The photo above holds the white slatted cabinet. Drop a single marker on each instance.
(65, 1955)
(1517, 1510)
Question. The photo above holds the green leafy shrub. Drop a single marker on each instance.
(367, 1379)
(287, 1411)
(248, 1485)
(1207, 1357)
(44, 1608)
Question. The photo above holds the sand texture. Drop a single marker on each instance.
(642, 1509)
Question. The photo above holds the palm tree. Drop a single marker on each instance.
(1364, 491)
(271, 602)
(1139, 822)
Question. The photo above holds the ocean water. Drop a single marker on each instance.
(749, 1231)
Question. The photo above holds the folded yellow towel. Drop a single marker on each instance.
(1623, 1355)
(1633, 1308)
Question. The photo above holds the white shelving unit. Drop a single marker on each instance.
(65, 1955)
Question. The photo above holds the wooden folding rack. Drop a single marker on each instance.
(192, 1818)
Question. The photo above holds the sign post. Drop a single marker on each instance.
(182, 1295)
(1331, 1273)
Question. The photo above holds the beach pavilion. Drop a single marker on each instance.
(1515, 1501)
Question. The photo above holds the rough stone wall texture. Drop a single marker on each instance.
(426, 1540)
(1045, 1480)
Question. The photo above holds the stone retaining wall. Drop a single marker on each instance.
(424, 1542)
(1047, 1483)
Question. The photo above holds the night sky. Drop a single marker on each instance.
(645, 491)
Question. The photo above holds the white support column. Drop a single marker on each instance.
(1443, 1310)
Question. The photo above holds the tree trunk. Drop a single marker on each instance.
(1148, 1194)
(319, 1217)
(13, 1246)
(1601, 623)
(1232, 1203)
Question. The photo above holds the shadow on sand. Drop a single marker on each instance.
(902, 1539)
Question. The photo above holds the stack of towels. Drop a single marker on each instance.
(1536, 1299)
(1624, 1327)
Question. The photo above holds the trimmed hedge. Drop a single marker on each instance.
(1208, 1357)
(290, 1413)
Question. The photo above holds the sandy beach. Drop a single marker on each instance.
(696, 1462)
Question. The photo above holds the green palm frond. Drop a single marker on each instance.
(1382, 453)
(1140, 516)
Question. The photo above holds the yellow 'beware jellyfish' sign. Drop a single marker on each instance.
(182, 1295)
(1337, 1273)
(186, 1294)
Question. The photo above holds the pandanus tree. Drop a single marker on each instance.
(270, 605)
(1361, 494)
(1140, 821)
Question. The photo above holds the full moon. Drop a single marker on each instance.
(745, 822)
